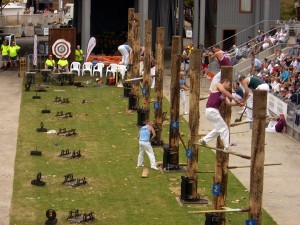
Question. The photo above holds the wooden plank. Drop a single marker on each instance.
(224, 209)
(225, 151)
(145, 172)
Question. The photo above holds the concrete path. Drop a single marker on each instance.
(10, 92)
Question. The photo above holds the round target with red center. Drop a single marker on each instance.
(61, 47)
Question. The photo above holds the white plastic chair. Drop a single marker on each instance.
(87, 67)
(75, 66)
(112, 69)
(98, 68)
(122, 69)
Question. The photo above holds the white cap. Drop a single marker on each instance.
(276, 65)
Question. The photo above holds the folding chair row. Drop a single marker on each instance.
(87, 67)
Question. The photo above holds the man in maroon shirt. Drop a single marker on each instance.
(277, 125)
(219, 93)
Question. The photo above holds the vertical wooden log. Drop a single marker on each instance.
(222, 159)
(159, 68)
(147, 67)
(257, 155)
(175, 97)
(192, 163)
(130, 35)
(136, 58)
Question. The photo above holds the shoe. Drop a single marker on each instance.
(185, 113)
(226, 149)
(154, 168)
(139, 166)
(248, 120)
(202, 142)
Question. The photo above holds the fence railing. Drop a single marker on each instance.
(244, 36)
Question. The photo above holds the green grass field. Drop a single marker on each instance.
(106, 137)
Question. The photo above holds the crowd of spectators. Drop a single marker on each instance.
(282, 73)
(258, 44)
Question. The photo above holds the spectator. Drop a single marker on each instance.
(277, 125)
(50, 63)
(285, 75)
(4, 53)
(255, 65)
(13, 55)
(63, 64)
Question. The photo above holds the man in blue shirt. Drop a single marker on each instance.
(146, 135)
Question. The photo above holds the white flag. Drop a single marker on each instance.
(91, 45)
(34, 62)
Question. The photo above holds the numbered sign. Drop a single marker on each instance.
(189, 153)
(156, 105)
(174, 124)
(135, 81)
(145, 91)
(251, 222)
(216, 189)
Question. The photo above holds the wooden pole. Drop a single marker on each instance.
(257, 155)
(159, 68)
(222, 159)
(192, 163)
(175, 96)
(130, 35)
(147, 67)
(136, 58)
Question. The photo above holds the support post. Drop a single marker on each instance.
(159, 68)
(135, 91)
(257, 155)
(147, 67)
(130, 36)
(222, 159)
(175, 97)
(192, 163)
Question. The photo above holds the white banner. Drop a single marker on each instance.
(91, 45)
(34, 50)
(276, 105)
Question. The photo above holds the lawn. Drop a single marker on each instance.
(106, 138)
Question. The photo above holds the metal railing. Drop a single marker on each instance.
(244, 37)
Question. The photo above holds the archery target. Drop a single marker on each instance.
(61, 47)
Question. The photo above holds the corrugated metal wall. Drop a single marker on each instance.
(229, 18)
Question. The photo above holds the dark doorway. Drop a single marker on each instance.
(229, 39)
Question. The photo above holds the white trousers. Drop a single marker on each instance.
(183, 100)
(146, 147)
(250, 100)
(125, 54)
(219, 127)
(271, 126)
(152, 72)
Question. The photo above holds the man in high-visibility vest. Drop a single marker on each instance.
(78, 54)
(50, 63)
(63, 65)
(4, 53)
(13, 55)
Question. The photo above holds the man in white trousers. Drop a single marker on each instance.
(249, 84)
(183, 88)
(145, 139)
(219, 93)
(126, 52)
